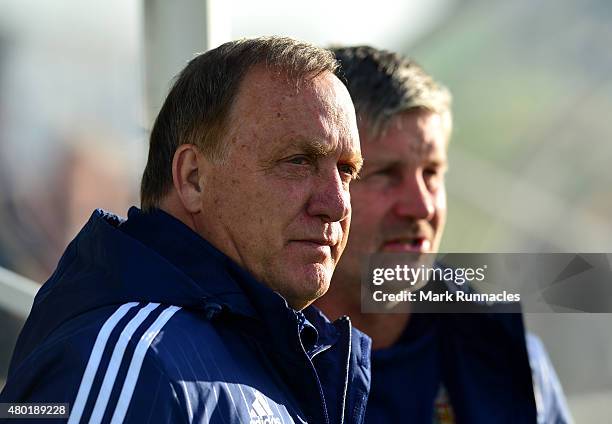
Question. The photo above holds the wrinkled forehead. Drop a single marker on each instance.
(336, 111)
(319, 109)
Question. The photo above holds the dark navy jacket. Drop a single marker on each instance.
(144, 321)
(484, 364)
(479, 358)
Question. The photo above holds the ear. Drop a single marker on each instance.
(187, 176)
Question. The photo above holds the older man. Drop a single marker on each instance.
(465, 368)
(196, 309)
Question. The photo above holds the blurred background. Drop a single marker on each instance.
(81, 81)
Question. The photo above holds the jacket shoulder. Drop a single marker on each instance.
(95, 360)
(138, 360)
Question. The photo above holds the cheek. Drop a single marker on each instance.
(278, 210)
(288, 200)
(262, 211)
(345, 226)
(367, 220)
(441, 199)
(239, 205)
(369, 208)
(440, 205)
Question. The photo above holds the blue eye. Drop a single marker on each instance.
(349, 170)
(436, 173)
(299, 160)
(430, 172)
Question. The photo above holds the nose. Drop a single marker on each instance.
(330, 198)
(414, 199)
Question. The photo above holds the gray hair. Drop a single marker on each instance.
(383, 84)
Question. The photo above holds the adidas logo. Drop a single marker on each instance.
(260, 411)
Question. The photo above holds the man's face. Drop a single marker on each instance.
(279, 205)
(399, 202)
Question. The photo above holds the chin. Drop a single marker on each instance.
(311, 283)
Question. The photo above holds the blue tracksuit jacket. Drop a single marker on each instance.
(484, 361)
(144, 321)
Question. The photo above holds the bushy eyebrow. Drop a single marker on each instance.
(318, 149)
(311, 147)
(441, 163)
(392, 163)
(357, 162)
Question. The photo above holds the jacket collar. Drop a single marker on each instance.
(217, 278)
(208, 275)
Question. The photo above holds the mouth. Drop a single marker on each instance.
(317, 241)
(320, 246)
(407, 244)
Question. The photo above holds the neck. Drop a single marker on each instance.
(384, 329)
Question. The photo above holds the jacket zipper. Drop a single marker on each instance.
(314, 370)
(348, 365)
